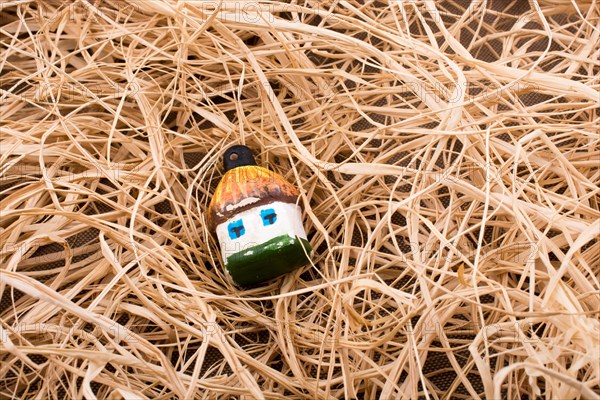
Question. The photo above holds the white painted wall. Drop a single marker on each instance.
(289, 222)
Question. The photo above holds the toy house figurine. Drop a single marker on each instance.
(257, 220)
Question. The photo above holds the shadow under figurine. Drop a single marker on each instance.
(257, 221)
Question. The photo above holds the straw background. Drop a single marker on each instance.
(448, 157)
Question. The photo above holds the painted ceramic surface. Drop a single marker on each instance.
(245, 187)
(258, 229)
(255, 216)
(268, 260)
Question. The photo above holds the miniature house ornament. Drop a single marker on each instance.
(257, 220)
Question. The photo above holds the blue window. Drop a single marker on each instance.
(268, 216)
(236, 229)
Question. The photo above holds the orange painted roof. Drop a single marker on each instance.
(245, 187)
